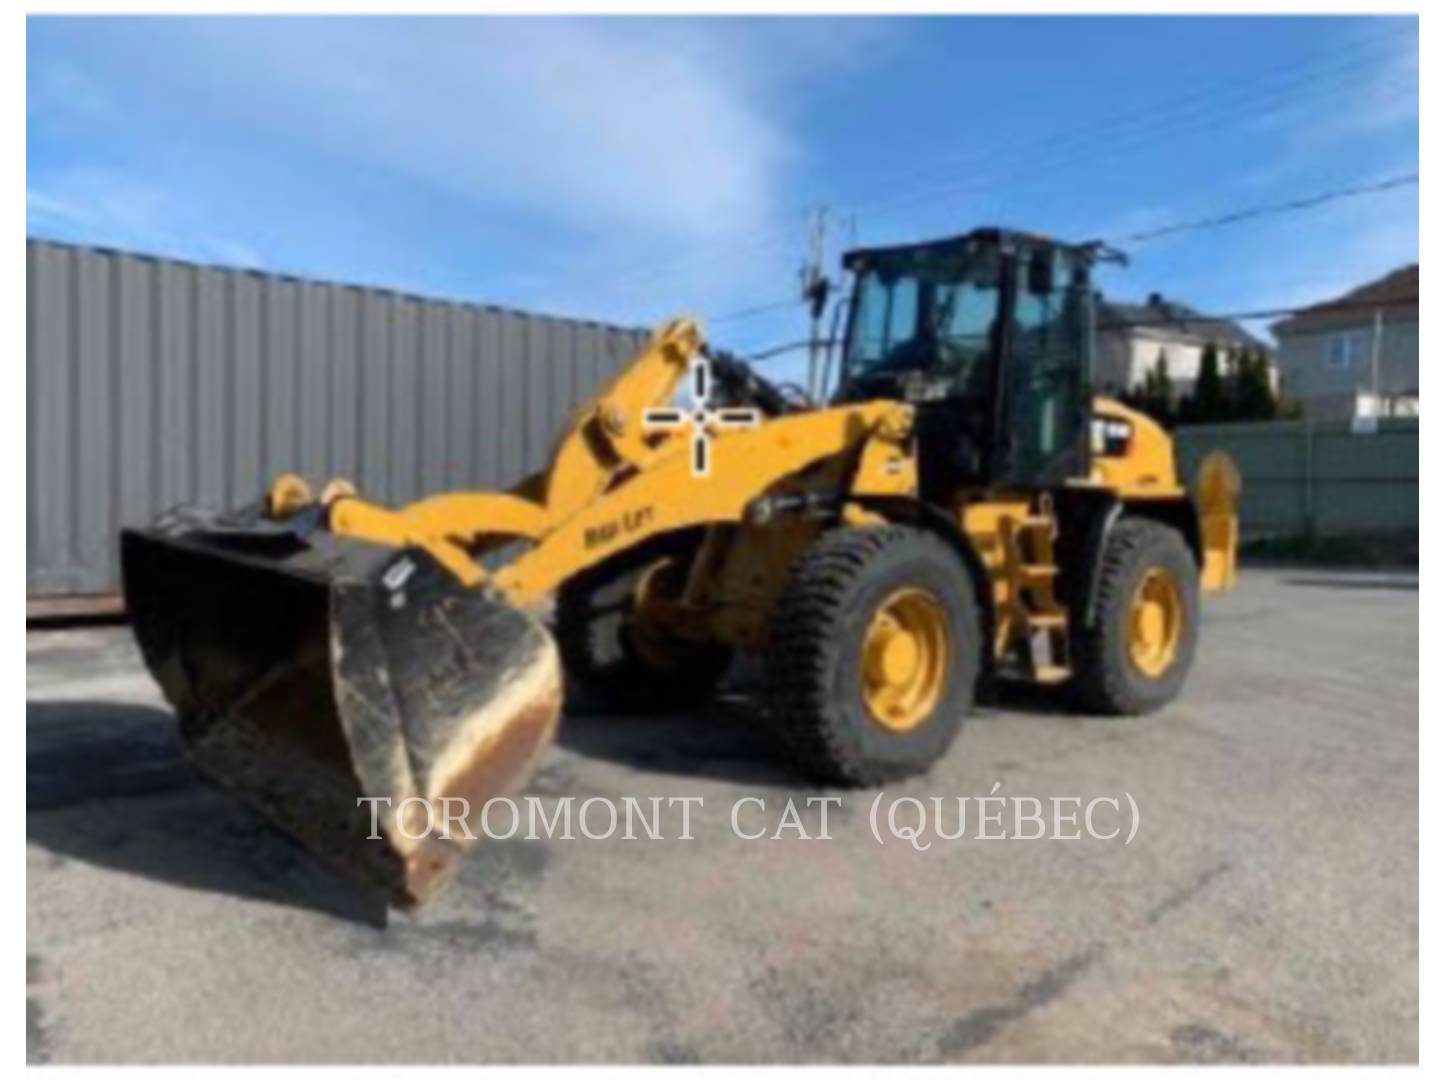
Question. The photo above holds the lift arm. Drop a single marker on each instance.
(611, 484)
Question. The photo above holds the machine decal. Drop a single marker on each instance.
(608, 532)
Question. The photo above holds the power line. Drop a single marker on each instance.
(1166, 120)
(1022, 172)
(1271, 208)
(1305, 72)
(1165, 112)
(772, 351)
(1216, 222)
(1148, 127)
(1324, 308)
(758, 309)
(1028, 173)
(1138, 130)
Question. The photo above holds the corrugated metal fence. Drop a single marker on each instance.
(152, 382)
(1322, 479)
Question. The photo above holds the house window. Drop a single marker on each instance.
(1345, 349)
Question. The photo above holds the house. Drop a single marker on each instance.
(1131, 338)
(1357, 355)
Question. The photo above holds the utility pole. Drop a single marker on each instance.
(815, 290)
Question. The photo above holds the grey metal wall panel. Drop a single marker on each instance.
(1300, 476)
(152, 382)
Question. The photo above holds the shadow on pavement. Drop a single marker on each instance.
(1392, 583)
(106, 784)
(1032, 699)
(730, 739)
(726, 740)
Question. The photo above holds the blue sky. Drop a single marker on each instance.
(627, 168)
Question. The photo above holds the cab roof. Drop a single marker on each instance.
(1004, 239)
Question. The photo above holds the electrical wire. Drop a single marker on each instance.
(1020, 174)
(1240, 100)
(1325, 308)
(1262, 211)
(1219, 221)
(1305, 72)
(758, 309)
(772, 351)
(1109, 141)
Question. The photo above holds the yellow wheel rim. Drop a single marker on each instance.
(1157, 619)
(903, 659)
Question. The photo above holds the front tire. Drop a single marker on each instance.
(873, 654)
(1135, 654)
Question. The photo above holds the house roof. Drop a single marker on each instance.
(1397, 294)
(1161, 316)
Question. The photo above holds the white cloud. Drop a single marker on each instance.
(43, 208)
(639, 153)
(110, 209)
(598, 125)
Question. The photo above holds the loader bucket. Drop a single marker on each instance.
(309, 673)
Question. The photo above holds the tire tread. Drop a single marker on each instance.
(803, 649)
(1101, 686)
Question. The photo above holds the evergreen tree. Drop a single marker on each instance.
(1232, 360)
(1162, 391)
(1209, 402)
(1237, 376)
(1254, 396)
(1154, 395)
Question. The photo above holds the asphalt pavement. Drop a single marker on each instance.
(1266, 909)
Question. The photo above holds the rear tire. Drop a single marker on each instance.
(821, 653)
(617, 661)
(1117, 671)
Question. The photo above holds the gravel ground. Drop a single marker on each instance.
(1267, 909)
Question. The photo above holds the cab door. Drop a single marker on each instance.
(1043, 412)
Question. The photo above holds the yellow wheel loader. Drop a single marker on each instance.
(962, 509)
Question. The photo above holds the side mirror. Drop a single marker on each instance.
(1041, 273)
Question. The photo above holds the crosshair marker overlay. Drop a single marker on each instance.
(700, 418)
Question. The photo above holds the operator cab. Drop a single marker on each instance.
(990, 336)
